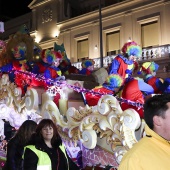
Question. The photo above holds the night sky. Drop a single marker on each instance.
(13, 8)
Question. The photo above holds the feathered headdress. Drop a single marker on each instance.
(113, 81)
(132, 48)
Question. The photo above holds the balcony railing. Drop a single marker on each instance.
(150, 53)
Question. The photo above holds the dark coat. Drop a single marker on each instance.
(31, 159)
(14, 155)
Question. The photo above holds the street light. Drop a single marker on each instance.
(101, 37)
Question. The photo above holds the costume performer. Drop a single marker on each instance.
(87, 67)
(19, 51)
(110, 86)
(149, 70)
(52, 71)
(136, 90)
(123, 64)
(65, 65)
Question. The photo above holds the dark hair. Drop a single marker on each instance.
(126, 55)
(48, 122)
(156, 105)
(25, 131)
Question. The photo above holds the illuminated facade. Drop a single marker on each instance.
(76, 24)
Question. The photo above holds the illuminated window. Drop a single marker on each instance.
(150, 34)
(113, 43)
(82, 49)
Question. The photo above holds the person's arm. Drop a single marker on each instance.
(30, 160)
(144, 87)
(114, 67)
(11, 154)
(6, 68)
(162, 86)
(72, 165)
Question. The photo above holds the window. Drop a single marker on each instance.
(82, 49)
(150, 34)
(113, 43)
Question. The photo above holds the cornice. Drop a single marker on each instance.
(108, 13)
(33, 4)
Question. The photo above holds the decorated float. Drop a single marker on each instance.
(100, 134)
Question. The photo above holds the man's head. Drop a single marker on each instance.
(157, 114)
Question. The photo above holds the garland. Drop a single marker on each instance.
(55, 87)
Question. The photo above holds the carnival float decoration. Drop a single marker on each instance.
(87, 125)
(104, 132)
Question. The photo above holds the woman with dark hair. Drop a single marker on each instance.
(46, 151)
(15, 146)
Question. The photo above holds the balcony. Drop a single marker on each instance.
(150, 53)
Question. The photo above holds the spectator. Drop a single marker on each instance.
(152, 151)
(15, 146)
(46, 150)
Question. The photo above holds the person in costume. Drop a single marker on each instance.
(149, 70)
(52, 72)
(65, 65)
(46, 69)
(135, 91)
(123, 63)
(45, 61)
(87, 67)
(19, 53)
(110, 86)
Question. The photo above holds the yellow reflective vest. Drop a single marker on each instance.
(44, 161)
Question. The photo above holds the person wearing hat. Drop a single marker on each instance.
(135, 91)
(53, 72)
(110, 86)
(87, 67)
(65, 65)
(123, 63)
(19, 56)
(149, 70)
(44, 63)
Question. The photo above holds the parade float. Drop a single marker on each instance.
(101, 133)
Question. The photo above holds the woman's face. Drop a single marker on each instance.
(47, 132)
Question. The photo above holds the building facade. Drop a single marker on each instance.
(76, 23)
